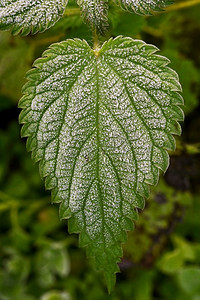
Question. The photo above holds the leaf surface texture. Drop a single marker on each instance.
(144, 7)
(25, 16)
(100, 125)
(95, 13)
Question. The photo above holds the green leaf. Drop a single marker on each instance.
(51, 260)
(56, 295)
(22, 16)
(144, 7)
(95, 13)
(189, 279)
(171, 262)
(100, 122)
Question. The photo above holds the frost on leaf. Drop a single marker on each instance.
(95, 13)
(101, 125)
(27, 16)
(144, 6)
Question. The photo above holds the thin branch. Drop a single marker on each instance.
(181, 5)
(71, 12)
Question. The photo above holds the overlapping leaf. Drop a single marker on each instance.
(27, 16)
(144, 6)
(32, 16)
(100, 124)
(95, 13)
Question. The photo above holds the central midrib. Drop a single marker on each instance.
(100, 197)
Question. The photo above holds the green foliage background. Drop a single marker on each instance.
(38, 260)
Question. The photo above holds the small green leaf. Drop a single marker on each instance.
(51, 260)
(100, 122)
(189, 279)
(144, 7)
(56, 295)
(171, 262)
(23, 16)
(95, 13)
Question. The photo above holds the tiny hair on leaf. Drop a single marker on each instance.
(100, 127)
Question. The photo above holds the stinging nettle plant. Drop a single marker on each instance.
(99, 121)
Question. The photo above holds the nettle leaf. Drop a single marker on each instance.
(144, 6)
(95, 13)
(25, 16)
(100, 122)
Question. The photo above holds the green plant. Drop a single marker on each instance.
(99, 120)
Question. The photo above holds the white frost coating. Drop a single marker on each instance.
(101, 127)
(29, 15)
(144, 6)
(95, 12)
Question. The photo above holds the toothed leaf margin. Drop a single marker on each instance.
(100, 124)
(24, 17)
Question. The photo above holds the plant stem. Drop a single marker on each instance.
(14, 217)
(182, 5)
(96, 43)
(46, 41)
(71, 12)
(7, 202)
